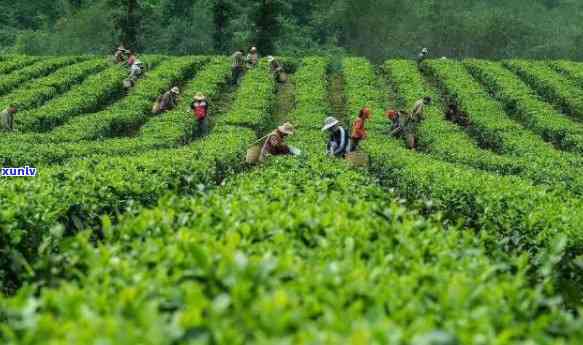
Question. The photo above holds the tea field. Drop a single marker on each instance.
(136, 231)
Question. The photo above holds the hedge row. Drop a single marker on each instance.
(39, 69)
(132, 110)
(493, 129)
(437, 136)
(16, 62)
(38, 91)
(570, 69)
(552, 86)
(311, 99)
(521, 215)
(521, 102)
(260, 85)
(88, 97)
(76, 195)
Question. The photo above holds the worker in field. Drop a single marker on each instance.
(167, 101)
(200, 110)
(454, 114)
(132, 57)
(394, 116)
(120, 55)
(339, 140)
(422, 55)
(276, 69)
(237, 67)
(136, 71)
(252, 58)
(275, 145)
(359, 132)
(409, 123)
(7, 118)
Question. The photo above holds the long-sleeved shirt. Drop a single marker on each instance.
(338, 143)
(237, 60)
(168, 101)
(274, 145)
(358, 129)
(6, 120)
(252, 59)
(418, 110)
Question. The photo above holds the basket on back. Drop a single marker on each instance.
(253, 154)
(357, 159)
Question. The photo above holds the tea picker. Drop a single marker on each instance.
(277, 70)
(338, 142)
(409, 123)
(167, 101)
(273, 145)
(7, 118)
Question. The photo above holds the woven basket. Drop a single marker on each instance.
(282, 77)
(357, 159)
(156, 107)
(253, 154)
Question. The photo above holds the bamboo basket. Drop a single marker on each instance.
(253, 154)
(282, 77)
(156, 107)
(357, 159)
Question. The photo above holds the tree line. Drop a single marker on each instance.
(377, 29)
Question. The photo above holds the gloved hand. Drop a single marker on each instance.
(295, 151)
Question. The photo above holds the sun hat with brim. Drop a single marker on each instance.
(329, 123)
(286, 128)
(175, 90)
(199, 96)
(270, 58)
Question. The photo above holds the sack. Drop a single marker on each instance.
(253, 154)
(357, 159)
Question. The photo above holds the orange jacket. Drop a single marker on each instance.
(358, 130)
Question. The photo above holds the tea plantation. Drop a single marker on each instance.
(137, 231)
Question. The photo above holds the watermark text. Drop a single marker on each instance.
(25, 171)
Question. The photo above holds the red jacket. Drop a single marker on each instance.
(358, 130)
(199, 109)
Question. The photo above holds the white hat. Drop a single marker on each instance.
(138, 62)
(329, 123)
(270, 58)
(286, 128)
(253, 48)
(199, 96)
(424, 50)
(175, 90)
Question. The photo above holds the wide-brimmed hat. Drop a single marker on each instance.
(424, 50)
(270, 58)
(286, 128)
(175, 90)
(199, 96)
(329, 123)
(253, 49)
